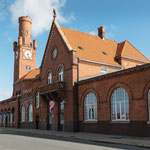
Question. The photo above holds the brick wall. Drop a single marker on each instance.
(136, 82)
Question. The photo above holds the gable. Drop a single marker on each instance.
(126, 49)
(130, 51)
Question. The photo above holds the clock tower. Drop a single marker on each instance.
(24, 49)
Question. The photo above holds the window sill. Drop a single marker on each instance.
(92, 121)
(120, 122)
(36, 107)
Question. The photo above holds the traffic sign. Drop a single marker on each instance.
(52, 106)
(4, 115)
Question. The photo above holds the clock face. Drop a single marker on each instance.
(16, 55)
(28, 54)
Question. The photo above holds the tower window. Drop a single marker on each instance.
(26, 67)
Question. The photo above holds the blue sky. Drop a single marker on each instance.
(123, 19)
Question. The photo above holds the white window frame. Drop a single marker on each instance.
(61, 74)
(88, 107)
(37, 101)
(115, 102)
(149, 105)
(49, 78)
(23, 114)
(30, 113)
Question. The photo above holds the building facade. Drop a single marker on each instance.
(97, 84)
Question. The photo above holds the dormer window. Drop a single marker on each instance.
(80, 47)
(104, 52)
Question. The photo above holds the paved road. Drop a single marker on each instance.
(27, 141)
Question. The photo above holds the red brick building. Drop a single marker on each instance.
(97, 84)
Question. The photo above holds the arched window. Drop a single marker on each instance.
(13, 115)
(120, 105)
(90, 107)
(37, 100)
(49, 78)
(23, 114)
(30, 113)
(61, 74)
(149, 103)
(0, 118)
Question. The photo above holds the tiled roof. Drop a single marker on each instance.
(93, 46)
(127, 49)
(130, 51)
(30, 75)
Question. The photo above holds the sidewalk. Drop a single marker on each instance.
(115, 139)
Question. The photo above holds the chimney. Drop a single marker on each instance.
(101, 32)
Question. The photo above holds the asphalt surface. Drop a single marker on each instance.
(27, 141)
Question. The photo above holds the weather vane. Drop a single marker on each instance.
(54, 13)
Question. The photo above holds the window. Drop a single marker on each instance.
(26, 67)
(10, 117)
(104, 69)
(61, 74)
(29, 68)
(120, 105)
(54, 53)
(13, 116)
(90, 107)
(49, 78)
(37, 100)
(0, 118)
(149, 103)
(23, 114)
(80, 47)
(104, 52)
(30, 113)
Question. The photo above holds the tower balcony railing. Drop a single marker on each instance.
(52, 87)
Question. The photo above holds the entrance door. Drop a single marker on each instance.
(5, 121)
(61, 116)
(50, 121)
(37, 122)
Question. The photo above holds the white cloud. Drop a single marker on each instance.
(41, 13)
(4, 94)
(93, 32)
(110, 31)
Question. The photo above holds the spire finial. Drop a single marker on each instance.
(54, 13)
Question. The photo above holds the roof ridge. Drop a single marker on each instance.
(87, 33)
